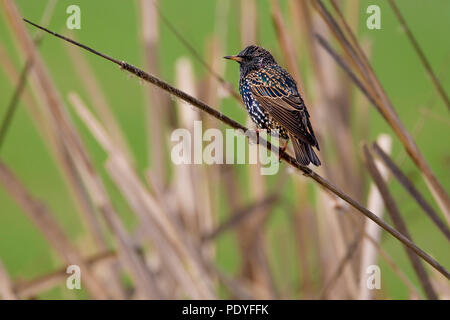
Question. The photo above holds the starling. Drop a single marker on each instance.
(273, 102)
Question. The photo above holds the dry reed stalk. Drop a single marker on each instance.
(211, 173)
(251, 233)
(156, 99)
(237, 288)
(99, 101)
(300, 38)
(31, 288)
(249, 22)
(338, 248)
(399, 223)
(353, 8)
(103, 109)
(216, 67)
(308, 28)
(374, 204)
(46, 124)
(239, 216)
(143, 278)
(42, 217)
(434, 79)
(70, 147)
(409, 187)
(326, 253)
(12, 106)
(213, 94)
(210, 95)
(332, 103)
(14, 102)
(287, 48)
(350, 73)
(349, 253)
(194, 187)
(287, 158)
(190, 181)
(184, 173)
(323, 89)
(359, 60)
(390, 262)
(191, 190)
(306, 231)
(362, 113)
(6, 284)
(329, 103)
(178, 259)
(305, 218)
(440, 285)
(7, 66)
(173, 245)
(249, 226)
(65, 165)
(246, 250)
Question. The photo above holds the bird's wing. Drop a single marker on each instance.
(277, 94)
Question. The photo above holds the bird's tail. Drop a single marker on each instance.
(304, 152)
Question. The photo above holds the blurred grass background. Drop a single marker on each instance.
(113, 27)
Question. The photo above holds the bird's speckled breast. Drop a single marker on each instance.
(256, 113)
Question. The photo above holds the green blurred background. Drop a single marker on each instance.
(113, 27)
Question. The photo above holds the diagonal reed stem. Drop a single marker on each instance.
(411, 189)
(13, 104)
(287, 158)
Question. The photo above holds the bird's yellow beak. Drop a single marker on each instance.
(235, 58)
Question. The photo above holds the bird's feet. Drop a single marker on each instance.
(282, 150)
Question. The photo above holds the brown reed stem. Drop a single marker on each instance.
(30, 288)
(240, 216)
(12, 106)
(398, 221)
(43, 218)
(351, 250)
(411, 189)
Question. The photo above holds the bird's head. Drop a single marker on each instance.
(252, 58)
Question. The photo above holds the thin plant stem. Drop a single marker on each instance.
(398, 221)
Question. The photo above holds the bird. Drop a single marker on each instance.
(273, 102)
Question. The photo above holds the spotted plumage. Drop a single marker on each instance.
(260, 117)
(273, 102)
